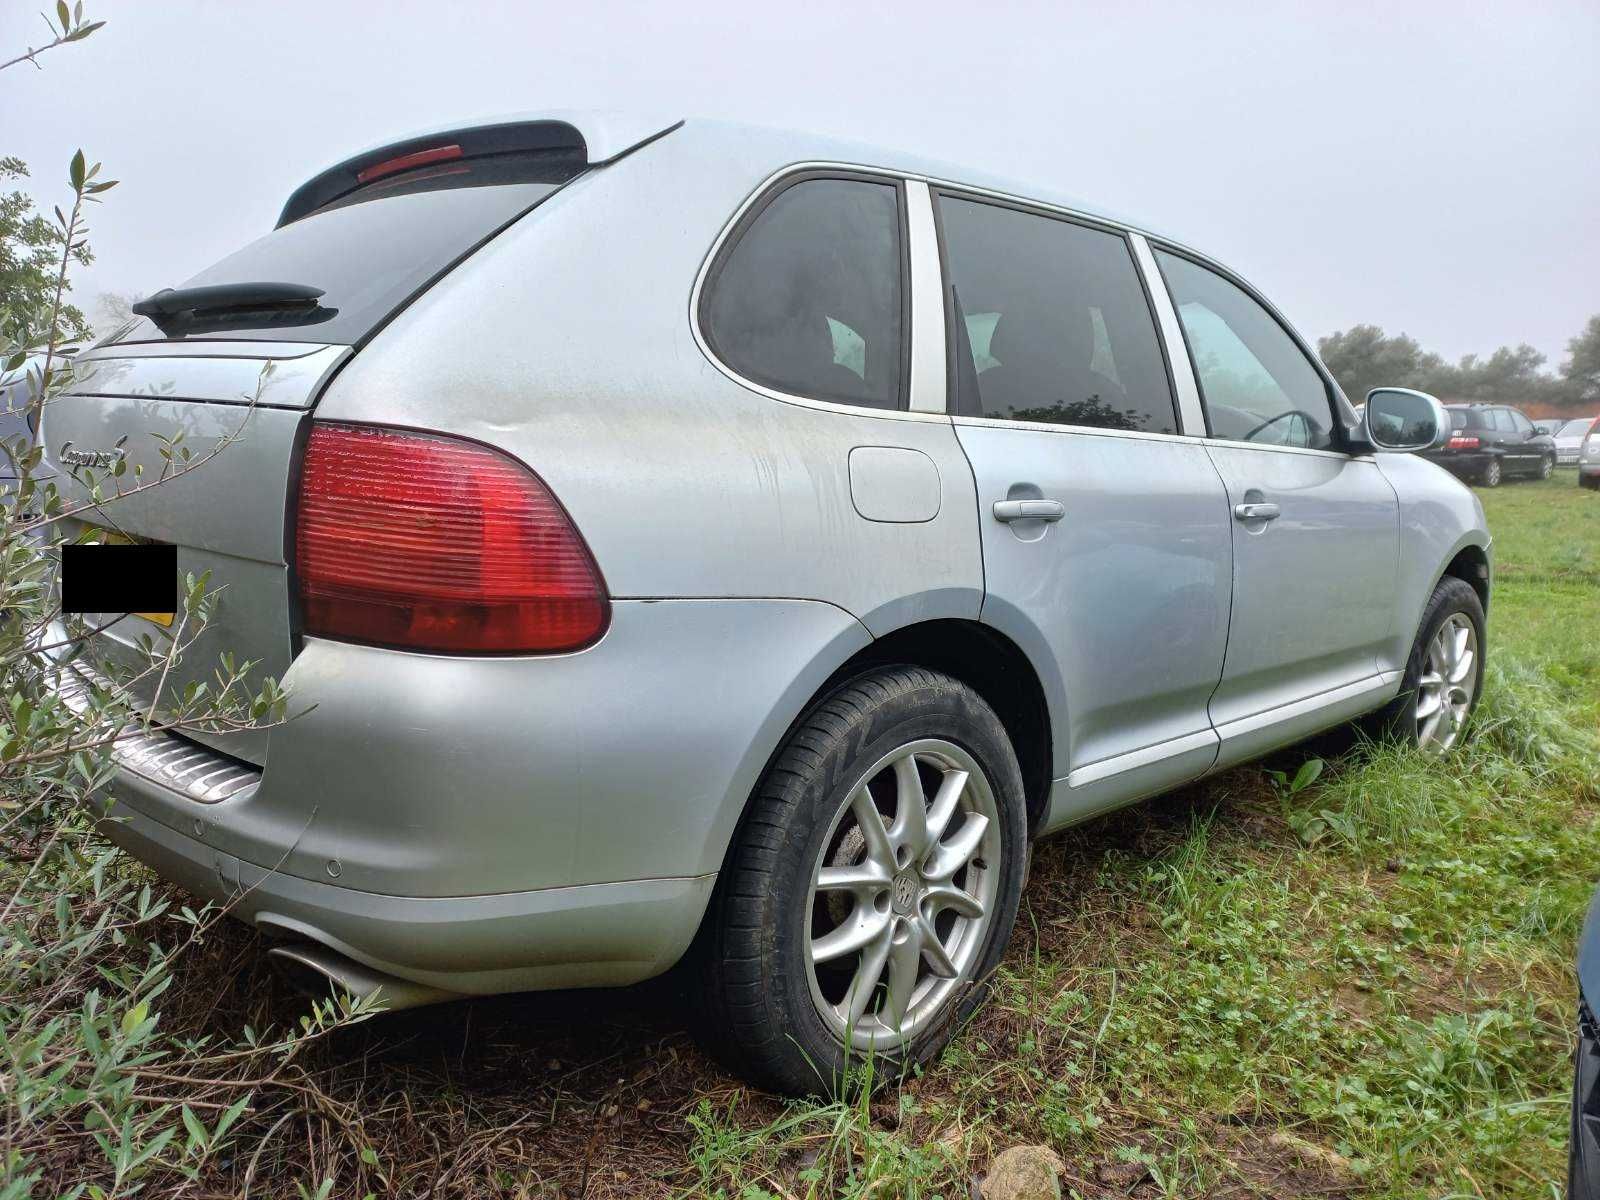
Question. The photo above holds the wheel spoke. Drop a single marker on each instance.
(949, 857)
(943, 896)
(879, 849)
(905, 960)
(1428, 702)
(858, 931)
(1458, 645)
(863, 879)
(944, 804)
(910, 808)
(1430, 727)
(933, 950)
(865, 981)
(1463, 667)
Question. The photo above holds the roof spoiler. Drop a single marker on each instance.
(594, 139)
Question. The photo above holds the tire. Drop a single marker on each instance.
(1492, 473)
(774, 1014)
(1403, 719)
(1592, 482)
(1547, 466)
(1583, 1154)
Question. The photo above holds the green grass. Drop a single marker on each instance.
(1360, 988)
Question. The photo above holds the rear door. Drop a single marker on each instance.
(1105, 531)
(208, 400)
(1315, 530)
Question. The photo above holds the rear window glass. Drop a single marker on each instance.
(370, 252)
(1458, 419)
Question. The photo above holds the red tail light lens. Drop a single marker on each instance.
(1463, 442)
(434, 543)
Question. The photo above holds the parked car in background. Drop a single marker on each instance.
(752, 576)
(1589, 457)
(1491, 442)
(1569, 439)
(1548, 425)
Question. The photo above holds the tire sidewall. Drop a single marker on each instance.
(947, 711)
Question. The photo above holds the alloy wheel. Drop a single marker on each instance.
(1546, 466)
(1491, 474)
(903, 894)
(1447, 685)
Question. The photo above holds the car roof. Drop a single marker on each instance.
(608, 134)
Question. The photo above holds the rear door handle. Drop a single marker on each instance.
(1255, 512)
(1029, 510)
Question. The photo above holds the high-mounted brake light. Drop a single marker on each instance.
(406, 162)
(1463, 441)
(435, 543)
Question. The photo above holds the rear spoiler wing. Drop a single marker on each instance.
(594, 138)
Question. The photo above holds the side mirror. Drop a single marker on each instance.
(1401, 419)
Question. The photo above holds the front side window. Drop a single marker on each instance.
(1519, 422)
(808, 298)
(1257, 384)
(1051, 323)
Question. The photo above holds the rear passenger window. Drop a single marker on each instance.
(807, 299)
(1258, 385)
(1052, 324)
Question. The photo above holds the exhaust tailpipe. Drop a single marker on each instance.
(309, 966)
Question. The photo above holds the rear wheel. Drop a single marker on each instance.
(1444, 674)
(1491, 473)
(872, 886)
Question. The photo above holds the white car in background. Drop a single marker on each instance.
(1569, 439)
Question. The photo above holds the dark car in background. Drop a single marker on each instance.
(1489, 442)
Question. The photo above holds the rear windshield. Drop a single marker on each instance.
(1458, 418)
(370, 252)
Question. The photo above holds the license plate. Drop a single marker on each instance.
(127, 567)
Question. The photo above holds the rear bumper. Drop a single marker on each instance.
(484, 825)
(586, 936)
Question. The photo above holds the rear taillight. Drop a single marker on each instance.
(1462, 441)
(434, 543)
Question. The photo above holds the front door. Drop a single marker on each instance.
(1316, 536)
(1106, 539)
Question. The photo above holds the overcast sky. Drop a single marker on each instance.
(1431, 168)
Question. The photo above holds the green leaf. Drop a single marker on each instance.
(76, 171)
(64, 15)
(197, 1131)
(1307, 774)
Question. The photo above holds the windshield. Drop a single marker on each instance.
(1576, 428)
(370, 252)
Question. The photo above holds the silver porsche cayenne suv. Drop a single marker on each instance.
(688, 542)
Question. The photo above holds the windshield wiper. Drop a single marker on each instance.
(248, 305)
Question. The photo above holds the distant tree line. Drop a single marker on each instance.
(1364, 357)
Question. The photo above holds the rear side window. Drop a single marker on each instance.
(1458, 419)
(808, 297)
(1258, 385)
(371, 251)
(1051, 322)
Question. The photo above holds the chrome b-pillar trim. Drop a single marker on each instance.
(1189, 410)
(927, 390)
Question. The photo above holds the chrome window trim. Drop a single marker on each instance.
(928, 387)
(1096, 430)
(756, 196)
(1137, 236)
(1191, 413)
